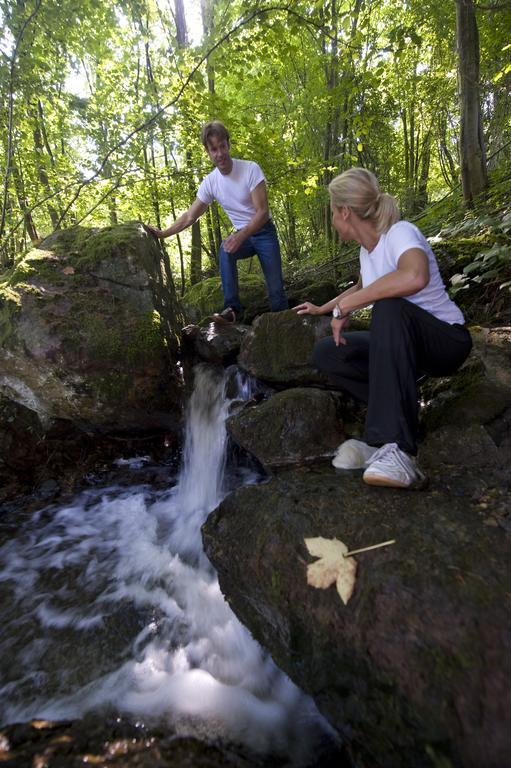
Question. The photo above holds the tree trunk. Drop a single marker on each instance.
(196, 255)
(217, 227)
(211, 239)
(41, 172)
(474, 178)
(208, 25)
(23, 204)
(182, 39)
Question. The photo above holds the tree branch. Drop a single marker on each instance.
(504, 6)
(83, 183)
(193, 71)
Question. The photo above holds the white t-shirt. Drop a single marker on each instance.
(384, 258)
(233, 190)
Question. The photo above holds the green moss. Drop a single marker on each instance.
(10, 305)
(131, 341)
(207, 297)
(110, 241)
(111, 387)
(275, 582)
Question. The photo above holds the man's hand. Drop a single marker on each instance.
(234, 241)
(338, 326)
(154, 230)
(307, 308)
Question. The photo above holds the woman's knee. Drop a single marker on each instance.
(387, 308)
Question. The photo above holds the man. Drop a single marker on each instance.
(240, 188)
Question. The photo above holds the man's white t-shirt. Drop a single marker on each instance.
(233, 190)
(384, 258)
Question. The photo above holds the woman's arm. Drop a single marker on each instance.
(307, 308)
(411, 276)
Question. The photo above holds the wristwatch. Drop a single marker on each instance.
(337, 312)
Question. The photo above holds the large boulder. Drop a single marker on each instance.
(89, 328)
(415, 669)
(293, 426)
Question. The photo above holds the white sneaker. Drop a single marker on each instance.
(353, 454)
(392, 467)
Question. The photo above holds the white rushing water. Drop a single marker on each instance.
(109, 602)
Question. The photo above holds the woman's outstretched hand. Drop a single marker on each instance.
(307, 308)
(338, 326)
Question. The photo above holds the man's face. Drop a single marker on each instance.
(219, 153)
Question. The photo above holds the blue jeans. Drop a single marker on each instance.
(265, 244)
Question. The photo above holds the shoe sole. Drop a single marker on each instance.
(387, 482)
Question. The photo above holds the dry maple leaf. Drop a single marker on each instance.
(332, 566)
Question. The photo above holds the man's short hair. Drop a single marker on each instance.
(214, 128)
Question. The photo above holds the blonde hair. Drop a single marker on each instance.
(358, 188)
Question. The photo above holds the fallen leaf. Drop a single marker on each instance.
(68, 271)
(332, 566)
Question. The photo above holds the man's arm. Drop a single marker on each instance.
(259, 196)
(186, 219)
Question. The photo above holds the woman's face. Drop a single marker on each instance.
(340, 220)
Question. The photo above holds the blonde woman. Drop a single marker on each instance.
(415, 329)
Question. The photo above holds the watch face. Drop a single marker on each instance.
(336, 312)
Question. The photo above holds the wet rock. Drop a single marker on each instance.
(214, 343)
(279, 346)
(480, 392)
(416, 668)
(89, 329)
(111, 741)
(48, 489)
(293, 426)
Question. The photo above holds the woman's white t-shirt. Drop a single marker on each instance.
(384, 258)
(233, 190)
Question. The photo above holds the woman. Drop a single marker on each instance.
(415, 329)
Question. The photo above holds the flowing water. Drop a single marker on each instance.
(109, 603)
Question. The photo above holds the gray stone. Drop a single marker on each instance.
(214, 342)
(415, 669)
(279, 346)
(89, 328)
(293, 426)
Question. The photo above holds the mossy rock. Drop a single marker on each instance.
(293, 426)
(205, 298)
(90, 326)
(480, 391)
(279, 346)
(414, 670)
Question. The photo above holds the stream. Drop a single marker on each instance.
(109, 604)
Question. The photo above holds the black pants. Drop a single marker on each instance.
(381, 366)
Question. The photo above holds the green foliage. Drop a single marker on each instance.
(107, 112)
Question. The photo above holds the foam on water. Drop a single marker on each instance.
(110, 602)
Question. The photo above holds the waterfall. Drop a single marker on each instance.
(110, 603)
